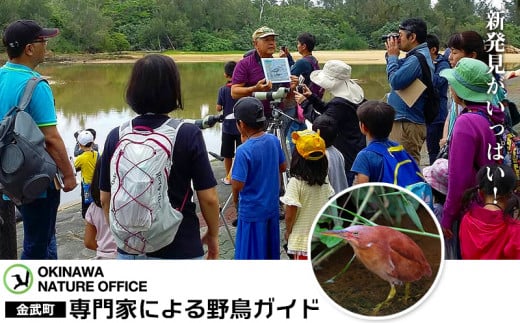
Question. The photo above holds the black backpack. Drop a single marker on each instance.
(26, 168)
(433, 100)
(513, 111)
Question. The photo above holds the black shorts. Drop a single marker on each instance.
(229, 144)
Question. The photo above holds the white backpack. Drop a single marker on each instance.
(141, 217)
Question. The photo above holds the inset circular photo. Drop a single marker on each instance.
(377, 250)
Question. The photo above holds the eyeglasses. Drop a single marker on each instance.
(45, 41)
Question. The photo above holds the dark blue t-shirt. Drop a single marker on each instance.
(190, 165)
(303, 67)
(224, 99)
(442, 86)
(370, 163)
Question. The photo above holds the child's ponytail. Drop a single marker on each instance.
(498, 182)
(470, 196)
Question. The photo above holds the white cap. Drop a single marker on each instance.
(85, 137)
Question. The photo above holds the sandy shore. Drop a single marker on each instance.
(351, 57)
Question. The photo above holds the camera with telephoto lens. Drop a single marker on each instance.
(217, 117)
(211, 120)
(206, 122)
(390, 35)
(275, 96)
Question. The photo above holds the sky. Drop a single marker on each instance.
(496, 3)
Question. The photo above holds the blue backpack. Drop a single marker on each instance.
(399, 168)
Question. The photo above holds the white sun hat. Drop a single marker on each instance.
(335, 77)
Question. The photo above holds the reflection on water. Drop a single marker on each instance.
(103, 122)
(92, 96)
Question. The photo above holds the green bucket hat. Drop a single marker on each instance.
(470, 79)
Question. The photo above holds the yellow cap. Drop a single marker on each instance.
(309, 144)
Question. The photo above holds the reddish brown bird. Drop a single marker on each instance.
(388, 253)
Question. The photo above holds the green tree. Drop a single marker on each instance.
(168, 29)
(115, 25)
(120, 42)
(83, 25)
(129, 18)
(512, 11)
(37, 10)
(369, 16)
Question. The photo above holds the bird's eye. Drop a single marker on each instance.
(355, 233)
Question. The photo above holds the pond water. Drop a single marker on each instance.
(92, 96)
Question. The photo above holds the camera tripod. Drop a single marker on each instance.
(277, 126)
(224, 207)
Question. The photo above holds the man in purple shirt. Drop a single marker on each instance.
(248, 76)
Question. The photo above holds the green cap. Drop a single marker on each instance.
(471, 80)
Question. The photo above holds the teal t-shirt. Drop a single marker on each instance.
(13, 78)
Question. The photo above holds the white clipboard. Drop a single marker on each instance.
(276, 70)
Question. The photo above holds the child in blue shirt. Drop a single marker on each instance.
(255, 181)
(375, 121)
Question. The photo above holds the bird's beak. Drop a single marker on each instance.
(335, 233)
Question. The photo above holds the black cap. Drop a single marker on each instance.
(249, 110)
(23, 32)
